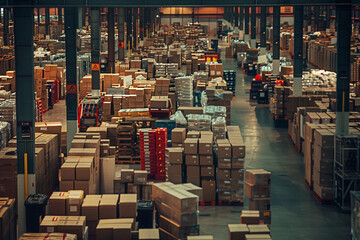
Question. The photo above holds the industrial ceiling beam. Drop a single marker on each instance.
(174, 3)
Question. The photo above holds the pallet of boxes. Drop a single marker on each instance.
(257, 189)
(8, 227)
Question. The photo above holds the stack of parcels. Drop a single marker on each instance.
(281, 95)
(207, 167)
(82, 166)
(218, 126)
(46, 165)
(174, 164)
(184, 91)
(8, 114)
(135, 64)
(229, 173)
(159, 102)
(50, 236)
(172, 69)
(215, 111)
(178, 136)
(199, 122)
(5, 134)
(215, 69)
(66, 203)
(139, 97)
(218, 97)
(160, 70)
(249, 232)
(109, 79)
(123, 228)
(133, 181)
(178, 211)
(323, 160)
(257, 189)
(162, 87)
(200, 79)
(8, 226)
(191, 150)
(67, 224)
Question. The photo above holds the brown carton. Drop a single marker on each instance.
(57, 203)
(108, 206)
(140, 176)
(206, 160)
(207, 171)
(193, 174)
(223, 174)
(192, 159)
(149, 234)
(83, 171)
(258, 229)
(191, 146)
(224, 150)
(174, 172)
(127, 175)
(237, 231)
(86, 186)
(204, 237)
(90, 209)
(258, 177)
(250, 217)
(258, 237)
(193, 134)
(178, 135)
(257, 191)
(67, 172)
(128, 206)
(65, 186)
(259, 204)
(209, 190)
(205, 146)
(74, 202)
(174, 155)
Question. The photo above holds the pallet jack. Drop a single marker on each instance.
(90, 112)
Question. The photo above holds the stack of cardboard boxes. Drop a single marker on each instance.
(54, 236)
(133, 181)
(174, 164)
(162, 86)
(323, 158)
(248, 232)
(178, 211)
(67, 224)
(207, 167)
(214, 100)
(184, 91)
(191, 150)
(257, 189)
(215, 70)
(109, 79)
(8, 226)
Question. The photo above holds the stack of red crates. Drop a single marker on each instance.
(148, 151)
(161, 144)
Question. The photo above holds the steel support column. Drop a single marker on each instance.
(236, 19)
(142, 24)
(121, 36)
(6, 26)
(60, 16)
(253, 28)
(263, 31)
(128, 27)
(38, 14)
(343, 25)
(72, 99)
(247, 37)
(328, 19)
(241, 18)
(111, 40)
(79, 18)
(276, 40)
(316, 17)
(47, 20)
(95, 50)
(25, 105)
(134, 24)
(298, 49)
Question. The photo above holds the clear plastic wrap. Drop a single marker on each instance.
(184, 91)
(199, 122)
(215, 111)
(179, 117)
(204, 99)
(5, 134)
(218, 126)
(8, 114)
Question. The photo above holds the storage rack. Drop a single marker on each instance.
(346, 169)
(230, 78)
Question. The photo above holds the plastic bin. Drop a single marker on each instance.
(145, 215)
(35, 205)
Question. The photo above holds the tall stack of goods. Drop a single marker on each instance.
(8, 114)
(174, 164)
(148, 151)
(230, 78)
(192, 157)
(184, 91)
(126, 140)
(199, 122)
(161, 144)
(257, 189)
(178, 211)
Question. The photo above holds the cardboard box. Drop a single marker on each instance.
(259, 204)
(237, 163)
(205, 146)
(108, 206)
(258, 237)
(140, 176)
(223, 174)
(257, 191)
(86, 186)
(114, 229)
(191, 146)
(193, 134)
(174, 155)
(107, 174)
(258, 177)
(174, 172)
(177, 231)
(238, 149)
(193, 174)
(192, 159)
(74, 202)
(83, 171)
(258, 229)
(127, 175)
(64, 224)
(204, 237)
(178, 135)
(237, 174)
(250, 217)
(149, 234)
(237, 231)
(224, 150)
(206, 160)
(207, 171)
(128, 206)
(67, 172)
(57, 203)
(209, 190)
(90, 208)
(224, 163)
(65, 186)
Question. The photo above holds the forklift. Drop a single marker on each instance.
(90, 112)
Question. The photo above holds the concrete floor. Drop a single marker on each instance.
(295, 213)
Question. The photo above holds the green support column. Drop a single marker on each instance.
(72, 99)
(298, 49)
(247, 37)
(111, 41)
(121, 36)
(25, 105)
(343, 28)
(60, 15)
(47, 20)
(95, 50)
(276, 40)
(253, 28)
(128, 28)
(6, 26)
(263, 31)
(236, 18)
(141, 23)
(134, 24)
(79, 13)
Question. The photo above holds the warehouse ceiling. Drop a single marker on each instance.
(170, 3)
